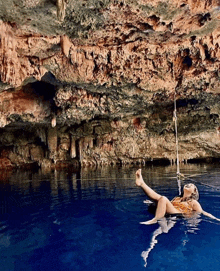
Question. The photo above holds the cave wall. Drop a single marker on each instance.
(94, 82)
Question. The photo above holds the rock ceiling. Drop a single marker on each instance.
(95, 81)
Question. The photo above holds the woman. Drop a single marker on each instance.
(187, 204)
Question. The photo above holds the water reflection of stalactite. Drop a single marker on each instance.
(54, 184)
(79, 186)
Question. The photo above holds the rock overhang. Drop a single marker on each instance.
(120, 62)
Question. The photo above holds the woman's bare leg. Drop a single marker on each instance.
(164, 206)
(150, 192)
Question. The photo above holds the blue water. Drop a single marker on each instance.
(89, 220)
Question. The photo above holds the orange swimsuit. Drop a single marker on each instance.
(184, 207)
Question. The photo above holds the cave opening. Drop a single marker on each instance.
(46, 89)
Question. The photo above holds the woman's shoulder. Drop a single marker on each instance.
(194, 202)
(196, 205)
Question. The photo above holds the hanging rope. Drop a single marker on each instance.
(178, 175)
(176, 133)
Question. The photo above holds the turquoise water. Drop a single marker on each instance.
(89, 220)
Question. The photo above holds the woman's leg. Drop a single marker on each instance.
(164, 206)
(150, 192)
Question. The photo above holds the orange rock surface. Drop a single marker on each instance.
(110, 72)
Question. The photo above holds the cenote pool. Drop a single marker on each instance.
(89, 220)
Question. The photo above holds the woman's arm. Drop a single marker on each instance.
(198, 208)
(210, 215)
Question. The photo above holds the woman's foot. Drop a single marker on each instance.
(139, 179)
(149, 222)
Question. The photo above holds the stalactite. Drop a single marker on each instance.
(42, 135)
(65, 45)
(54, 121)
(52, 141)
(61, 9)
(90, 143)
(8, 61)
(81, 141)
(72, 147)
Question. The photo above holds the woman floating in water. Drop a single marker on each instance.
(187, 204)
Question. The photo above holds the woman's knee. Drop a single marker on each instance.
(163, 199)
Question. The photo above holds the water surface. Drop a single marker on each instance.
(89, 220)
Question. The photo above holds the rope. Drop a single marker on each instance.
(189, 178)
(178, 174)
(176, 132)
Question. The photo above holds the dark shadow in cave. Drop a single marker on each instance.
(187, 61)
(46, 88)
(205, 160)
(77, 150)
(185, 102)
(158, 162)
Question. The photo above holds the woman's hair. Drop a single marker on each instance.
(194, 195)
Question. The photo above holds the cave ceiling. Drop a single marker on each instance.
(111, 70)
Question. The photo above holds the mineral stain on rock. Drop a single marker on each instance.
(93, 82)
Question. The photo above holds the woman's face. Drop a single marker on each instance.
(189, 188)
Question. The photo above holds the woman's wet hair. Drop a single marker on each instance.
(195, 194)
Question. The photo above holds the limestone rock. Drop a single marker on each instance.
(95, 81)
